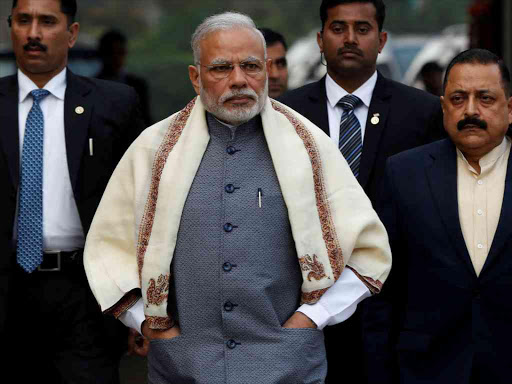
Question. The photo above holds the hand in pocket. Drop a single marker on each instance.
(154, 334)
(299, 320)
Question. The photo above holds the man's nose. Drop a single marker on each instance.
(238, 77)
(350, 36)
(471, 107)
(34, 32)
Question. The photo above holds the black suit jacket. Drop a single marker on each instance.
(438, 321)
(408, 118)
(111, 118)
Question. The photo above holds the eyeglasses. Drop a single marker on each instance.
(251, 68)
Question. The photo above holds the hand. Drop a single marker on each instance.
(299, 320)
(152, 334)
(137, 344)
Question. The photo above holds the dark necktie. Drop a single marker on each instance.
(29, 254)
(350, 142)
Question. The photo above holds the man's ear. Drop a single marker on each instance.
(510, 110)
(320, 41)
(383, 38)
(73, 34)
(442, 103)
(193, 74)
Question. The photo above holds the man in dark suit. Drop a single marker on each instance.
(391, 118)
(61, 137)
(447, 206)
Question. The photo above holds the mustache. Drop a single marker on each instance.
(471, 121)
(350, 49)
(243, 92)
(33, 44)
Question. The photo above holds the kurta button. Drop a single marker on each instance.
(230, 188)
(229, 306)
(231, 150)
(227, 266)
(231, 344)
(228, 227)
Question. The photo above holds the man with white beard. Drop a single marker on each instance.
(233, 231)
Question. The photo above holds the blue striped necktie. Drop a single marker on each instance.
(351, 141)
(29, 254)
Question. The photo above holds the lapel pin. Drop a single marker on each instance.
(79, 110)
(375, 119)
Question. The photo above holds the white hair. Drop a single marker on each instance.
(222, 22)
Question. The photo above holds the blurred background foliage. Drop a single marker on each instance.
(159, 31)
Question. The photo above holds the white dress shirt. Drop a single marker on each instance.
(62, 229)
(336, 305)
(334, 111)
(480, 197)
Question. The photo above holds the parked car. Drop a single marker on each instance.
(440, 49)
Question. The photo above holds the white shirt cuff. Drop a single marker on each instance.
(134, 316)
(339, 302)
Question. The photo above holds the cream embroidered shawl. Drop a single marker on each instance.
(132, 238)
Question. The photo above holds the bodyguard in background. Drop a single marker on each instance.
(61, 137)
(370, 118)
(278, 73)
(113, 50)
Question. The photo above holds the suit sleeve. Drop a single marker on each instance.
(131, 126)
(435, 124)
(380, 317)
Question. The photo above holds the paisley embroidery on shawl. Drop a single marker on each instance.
(158, 291)
(159, 322)
(311, 264)
(328, 229)
(171, 138)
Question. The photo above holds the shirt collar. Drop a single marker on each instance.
(56, 86)
(490, 158)
(364, 92)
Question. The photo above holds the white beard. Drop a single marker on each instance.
(239, 114)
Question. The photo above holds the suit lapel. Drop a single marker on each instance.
(317, 111)
(442, 177)
(9, 132)
(76, 122)
(504, 229)
(379, 106)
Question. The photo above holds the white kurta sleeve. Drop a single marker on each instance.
(339, 302)
(134, 316)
